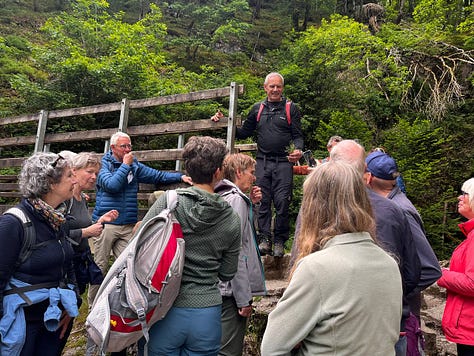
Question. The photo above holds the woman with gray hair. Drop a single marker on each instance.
(85, 167)
(249, 281)
(35, 288)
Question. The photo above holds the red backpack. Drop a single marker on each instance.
(142, 283)
(287, 110)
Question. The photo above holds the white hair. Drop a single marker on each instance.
(116, 136)
(274, 74)
(468, 187)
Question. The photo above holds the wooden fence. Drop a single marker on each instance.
(43, 137)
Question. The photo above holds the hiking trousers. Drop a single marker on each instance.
(275, 179)
(113, 239)
(234, 327)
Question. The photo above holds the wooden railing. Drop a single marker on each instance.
(43, 138)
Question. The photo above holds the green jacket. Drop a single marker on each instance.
(211, 232)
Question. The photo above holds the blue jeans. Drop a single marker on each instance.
(185, 332)
(401, 346)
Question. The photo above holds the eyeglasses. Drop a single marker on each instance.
(334, 142)
(126, 145)
(463, 193)
(55, 162)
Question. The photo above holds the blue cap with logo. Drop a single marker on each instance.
(382, 166)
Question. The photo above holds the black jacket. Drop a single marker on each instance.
(50, 263)
(274, 134)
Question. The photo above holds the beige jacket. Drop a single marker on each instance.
(343, 300)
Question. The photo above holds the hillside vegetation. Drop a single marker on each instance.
(403, 83)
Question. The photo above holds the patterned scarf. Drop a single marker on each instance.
(53, 216)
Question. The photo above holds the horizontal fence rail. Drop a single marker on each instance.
(42, 139)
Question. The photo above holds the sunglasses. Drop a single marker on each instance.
(55, 162)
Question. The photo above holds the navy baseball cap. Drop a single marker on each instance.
(381, 165)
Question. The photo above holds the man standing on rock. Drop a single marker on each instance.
(277, 122)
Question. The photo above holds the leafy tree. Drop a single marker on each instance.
(209, 25)
(441, 15)
(93, 57)
(15, 52)
(421, 151)
(345, 125)
(341, 67)
(97, 57)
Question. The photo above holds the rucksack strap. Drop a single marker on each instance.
(22, 290)
(28, 231)
(287, 111)
(171, 199)
(260, 109)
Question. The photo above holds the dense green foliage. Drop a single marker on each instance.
(407, 87)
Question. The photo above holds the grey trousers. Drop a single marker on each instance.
(234, 327)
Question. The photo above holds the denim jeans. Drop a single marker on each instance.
(185, 331)
(401, 346)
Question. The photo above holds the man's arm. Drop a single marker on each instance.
(112, 182)
(296, 131)
(249, 125)
(150, 175)
(430, 268)
(411, 266)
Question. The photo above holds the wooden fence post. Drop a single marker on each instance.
(41, 130)
(234, 92)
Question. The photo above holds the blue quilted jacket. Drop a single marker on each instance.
(117, 187)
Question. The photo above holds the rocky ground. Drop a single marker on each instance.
(275, 270)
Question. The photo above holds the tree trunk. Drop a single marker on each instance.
(307, 14)
(400, 12)
(257, 5)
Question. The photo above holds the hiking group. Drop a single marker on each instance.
(359, 259)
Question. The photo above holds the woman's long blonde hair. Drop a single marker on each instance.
(335, 202)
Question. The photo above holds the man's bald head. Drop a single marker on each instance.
(351, 152)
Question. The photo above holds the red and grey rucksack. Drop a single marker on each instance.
(287, 111)
(141, 285)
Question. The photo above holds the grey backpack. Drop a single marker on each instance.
(141, 285)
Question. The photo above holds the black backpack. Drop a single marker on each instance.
(29, 234)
